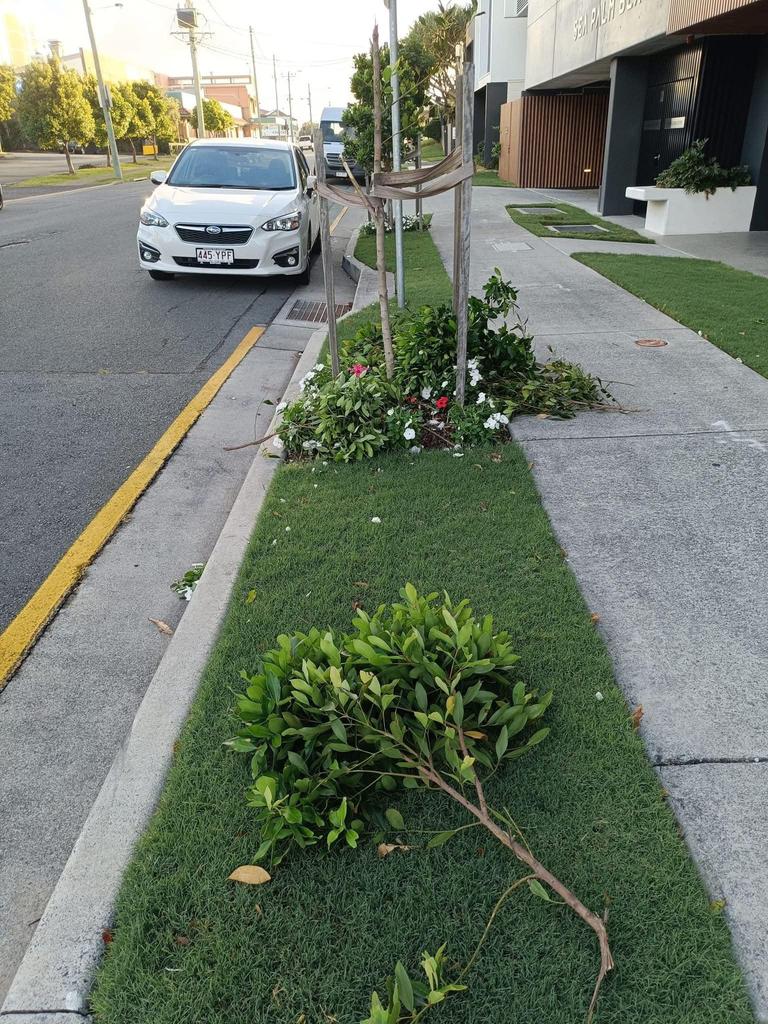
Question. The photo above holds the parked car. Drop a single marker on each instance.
(305, 142)
(73, 147)
(242, 206)
(333, 144)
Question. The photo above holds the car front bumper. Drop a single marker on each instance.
(256, 257)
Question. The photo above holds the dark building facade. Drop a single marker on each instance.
(673, 71)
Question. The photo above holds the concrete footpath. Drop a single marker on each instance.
(662, 513)
(71, 705)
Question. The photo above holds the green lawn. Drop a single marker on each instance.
(729, 307)
(539, 224)
(431, 151)
(98, 175)
(486, 176)
(190, 946)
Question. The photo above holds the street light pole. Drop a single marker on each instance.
(391, 5)
(277, 98)
(309, 100)
(255, 83)
(196, 78)
(289, 75)
(104, 97)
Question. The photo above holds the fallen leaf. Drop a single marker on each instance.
(182, 940)
(637, 716)
(384, 849)
(717, 906)
(107, 936)
(250, 597)
(495, 456)
(162, 626)
(531, 465)
(359, 583)
(250, 874)
(542, 416)
(258, 911)
(356, 605)
(595, 618)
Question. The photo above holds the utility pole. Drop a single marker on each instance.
(289, 75)
(255, 83)
(309, 101)
(186, 19)
(277, 97)
(104, 97)
(391, 6)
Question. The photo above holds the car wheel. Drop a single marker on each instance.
(160, 275)
(316, 243)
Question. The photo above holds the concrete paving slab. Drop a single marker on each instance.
(723, 809)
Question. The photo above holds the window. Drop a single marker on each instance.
(332, 131)
(244, 167)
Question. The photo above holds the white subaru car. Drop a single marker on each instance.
(231, 206)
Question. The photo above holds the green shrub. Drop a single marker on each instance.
(695, 172)
(329, 718)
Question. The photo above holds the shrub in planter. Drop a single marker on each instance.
(694, 172)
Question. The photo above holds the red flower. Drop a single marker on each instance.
(442, 402)
(412, 399)
(358, 369)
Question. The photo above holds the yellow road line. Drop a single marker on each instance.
(337, 221)
(21, 634)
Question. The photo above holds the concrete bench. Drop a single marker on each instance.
(673, 211)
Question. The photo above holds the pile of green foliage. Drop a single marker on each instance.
(694, 171)
(362, 411)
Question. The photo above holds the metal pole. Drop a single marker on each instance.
(103, 96)
(309, 100)
(468, 77)
(290, 105)
(327, 254)
(277, 100)
(396, 147)
(196, 78)
(255, 83)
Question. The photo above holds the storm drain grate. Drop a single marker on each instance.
(577, 229)
(316, 312)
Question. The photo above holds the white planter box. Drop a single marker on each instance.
(673, 211)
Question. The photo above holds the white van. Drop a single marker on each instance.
(333, 144)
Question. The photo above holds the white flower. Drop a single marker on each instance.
(480, 398)
(426, 393)
(599, 696)
(415, 449)
(375, 519)
(314, 485)
(432, 423)
(277, 442)
(282, 501)
(319, 367)
(274, 542)
(409, 433)
(458, 455)
(287, 529)
(496, 420)
(281, 406)
(390, 412)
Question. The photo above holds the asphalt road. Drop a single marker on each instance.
(17, 166)
(96, 359)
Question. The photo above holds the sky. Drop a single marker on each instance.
(313, 40)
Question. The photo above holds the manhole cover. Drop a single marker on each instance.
(576, 229)
(315, 312)
(651, 343)
(510, 246)
(536, 209)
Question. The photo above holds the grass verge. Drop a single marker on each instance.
(98, 175)
(484, 176)
(432, 152)
(541, 223)
(191, 946)
(729, 307)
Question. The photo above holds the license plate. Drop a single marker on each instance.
(215, 257)
(340, 174)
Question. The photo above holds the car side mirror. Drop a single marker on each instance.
(311, 183)
(158, 177)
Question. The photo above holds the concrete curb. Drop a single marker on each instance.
(352, 266)
(53, 982)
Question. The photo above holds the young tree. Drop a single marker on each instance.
(52, 108)
(165, 117)
(141, 124)
(120, 110)
(7, 96)
(439, 33)
(414, 66)
(216, 119)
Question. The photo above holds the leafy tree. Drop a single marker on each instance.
(216, 119)
(52, 108)
(121, 112)
(414, 66)
(308, 128)
(7, 95)
(142, 123)
(439, 33)
(165, 112)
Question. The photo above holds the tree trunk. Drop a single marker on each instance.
(154, 143)
(133, 149)
(68, 155)
(381, 264)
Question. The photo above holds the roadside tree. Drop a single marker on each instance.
(7, 96)
(141, 124)
(165, 112)
(120, 110)
(52, 108)
(216, 119)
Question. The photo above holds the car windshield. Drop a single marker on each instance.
(332, 131)
(234, 167)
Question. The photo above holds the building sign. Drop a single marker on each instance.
(601, 14)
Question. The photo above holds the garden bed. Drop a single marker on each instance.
(188, 945)
(728, 307)
(542, 223)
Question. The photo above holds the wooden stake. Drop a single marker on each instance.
(419, 202)
(381, 264)
(327, 255)
(457, 199)
(466, 226)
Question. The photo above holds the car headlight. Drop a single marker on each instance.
(152, 220)
(288, 222)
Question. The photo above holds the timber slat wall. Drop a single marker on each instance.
(686, 13)
(509, 139)
(562, 139)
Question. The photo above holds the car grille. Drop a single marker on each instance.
(225, 235)
(333, 159)
(190, 261)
